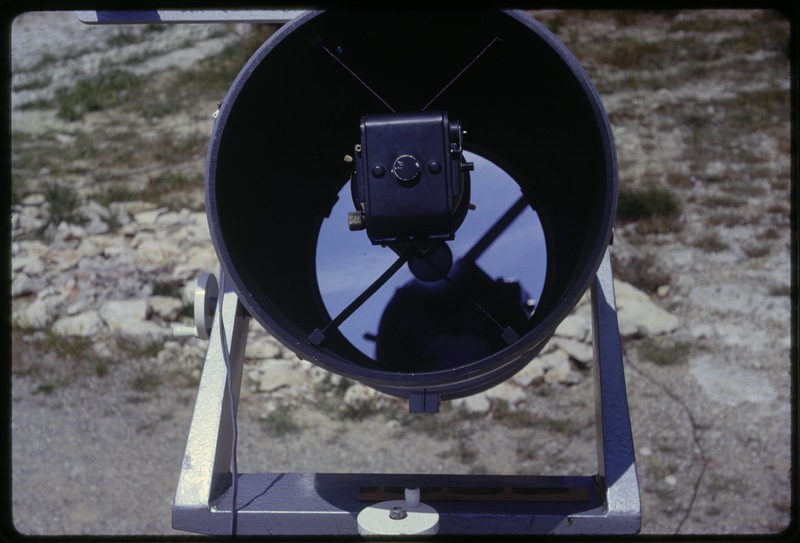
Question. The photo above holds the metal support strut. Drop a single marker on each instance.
(327, 504)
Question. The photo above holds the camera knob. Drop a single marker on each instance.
(406, 168)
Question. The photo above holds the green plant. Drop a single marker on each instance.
(711, 243)
(647, 203)
(139, 349)
(723, 201)
(107, 89)
(63, 204)
(173, 289)
(780, 290)
(642, 271)
(67, 346)
(756, 250)
(664, 352)
(124, 37)
(146, 381)
(51, 385)
(279, 422)
(115, 193)
(439, 425)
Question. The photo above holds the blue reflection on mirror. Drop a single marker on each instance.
(347, 262)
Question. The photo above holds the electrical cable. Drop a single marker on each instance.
(229, 384)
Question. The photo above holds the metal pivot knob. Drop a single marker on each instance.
(206, 295)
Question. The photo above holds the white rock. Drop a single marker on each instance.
(144, 332)
(166, 307)
(636, 309)
(67, 232)
(557, 358)
(262, 347)
(94, 210)
(317, 374)
(197, 260)
(580, 351)
(35, 199)
(78, 306)
(121, 315)
(148, 217)
(68, 259)
(628, 328)
(278, 373)
(531, 373)
(358, 395)
(187, 292)
(559, 371)
(577, 325)
(158, 251)
(477, 403)
(36, 314)
(85, 324)
(23, 284)
(26, 221)
(28, 255)
(173, 217)
(130, 207)
(96, 227)
(507, 392)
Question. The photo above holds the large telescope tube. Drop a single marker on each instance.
(287, 150)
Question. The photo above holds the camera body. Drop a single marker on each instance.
(410, 183)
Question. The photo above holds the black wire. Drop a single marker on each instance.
(360, 80)
(464, 69)
(229, 384)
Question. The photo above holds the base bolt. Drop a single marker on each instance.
(398, 512)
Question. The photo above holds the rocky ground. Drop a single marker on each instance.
(109, 128)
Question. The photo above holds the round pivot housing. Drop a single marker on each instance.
(320, 86)
(398, 518)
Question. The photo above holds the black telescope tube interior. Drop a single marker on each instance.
(275, 163)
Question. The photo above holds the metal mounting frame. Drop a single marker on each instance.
(327, 504)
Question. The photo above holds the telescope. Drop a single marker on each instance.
(413, 200)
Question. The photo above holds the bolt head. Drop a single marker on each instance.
(398, 512)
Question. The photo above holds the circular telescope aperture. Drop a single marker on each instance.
(542, 194)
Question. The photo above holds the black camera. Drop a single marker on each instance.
(410, 182)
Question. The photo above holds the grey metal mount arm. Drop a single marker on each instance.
(327, 504)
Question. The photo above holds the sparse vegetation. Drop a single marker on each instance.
(780, 290)
(643, 271)
(663, 351)
(146, 382)
(439, 425)
(279, 422)
(710, 243)
(647, 203)
(138, 349)
(757, 250)
(63, 204)
(105, 90)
